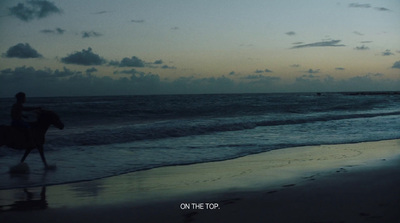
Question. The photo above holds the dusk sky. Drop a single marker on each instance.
(122, 47)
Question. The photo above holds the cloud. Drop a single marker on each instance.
(53, 31)
(331, 43)
(100, 12)
(87, 34)
(311, 71)
(357, 5)
(387, 53)
(22, 51)
(396, 65)
(291, 33)
(131, 62)
(66, 82)
(339, 68)
(91, 70)
(175, 28)
(168, 67)
(262, 71)
(137, 62)
(366, 6)
(48, 82)
(137, 21)
(358, 33)
(85, 57)
(29, 74)
(131, 71)
(295, 65)
(309, 76)
(382, 9)
(361, 47)
(232, 73)
(34, 9)
(260, 76)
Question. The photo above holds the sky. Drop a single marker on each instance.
(125, 47)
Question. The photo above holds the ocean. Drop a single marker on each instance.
(112, 135)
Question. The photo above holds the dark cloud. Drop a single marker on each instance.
(131, 71)
(366, 42)
(131, 62)
(232, 73)
(49, 82)
(101, 12)
(30, 74)
(361, 47)
(358, 33)
(134, 62)
(65, 82)
(137, 21)
(339, 68)
(63, 73)
(291, 33)
(91, 70)
(396, 65)
(331, 43)
(87, 34)
(168, 67)
(366, 6)
(262, 71)
(22, 51)
(34, 9)
(311, 71)
(85, 57)
(387, 53)
(295, 65)
(375, 75)
(382, 9)
(175, 28)
(53, 31)
(309, 76)
(260, 76)
(357, 5)
(113, 63)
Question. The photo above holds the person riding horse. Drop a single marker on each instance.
(15, 136)
(17, 116)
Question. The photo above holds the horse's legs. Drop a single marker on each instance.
(40, 148)
(27, 151)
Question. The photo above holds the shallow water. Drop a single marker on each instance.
(107, 136)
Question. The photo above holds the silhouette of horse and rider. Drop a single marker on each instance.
(25, 135)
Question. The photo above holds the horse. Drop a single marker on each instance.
(15, 137)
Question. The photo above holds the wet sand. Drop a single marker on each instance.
(329, 183)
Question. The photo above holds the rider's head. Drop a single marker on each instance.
(20, 97)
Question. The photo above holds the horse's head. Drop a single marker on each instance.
(50, 118)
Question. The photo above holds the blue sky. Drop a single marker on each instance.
(99, 47)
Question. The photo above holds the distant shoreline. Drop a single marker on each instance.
(188, 94)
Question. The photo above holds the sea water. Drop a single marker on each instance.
(112, 135)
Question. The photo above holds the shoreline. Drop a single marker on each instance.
(179, 165)
(231, 185)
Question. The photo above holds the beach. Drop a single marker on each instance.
(327, 183)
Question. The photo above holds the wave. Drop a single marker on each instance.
(104, 135)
